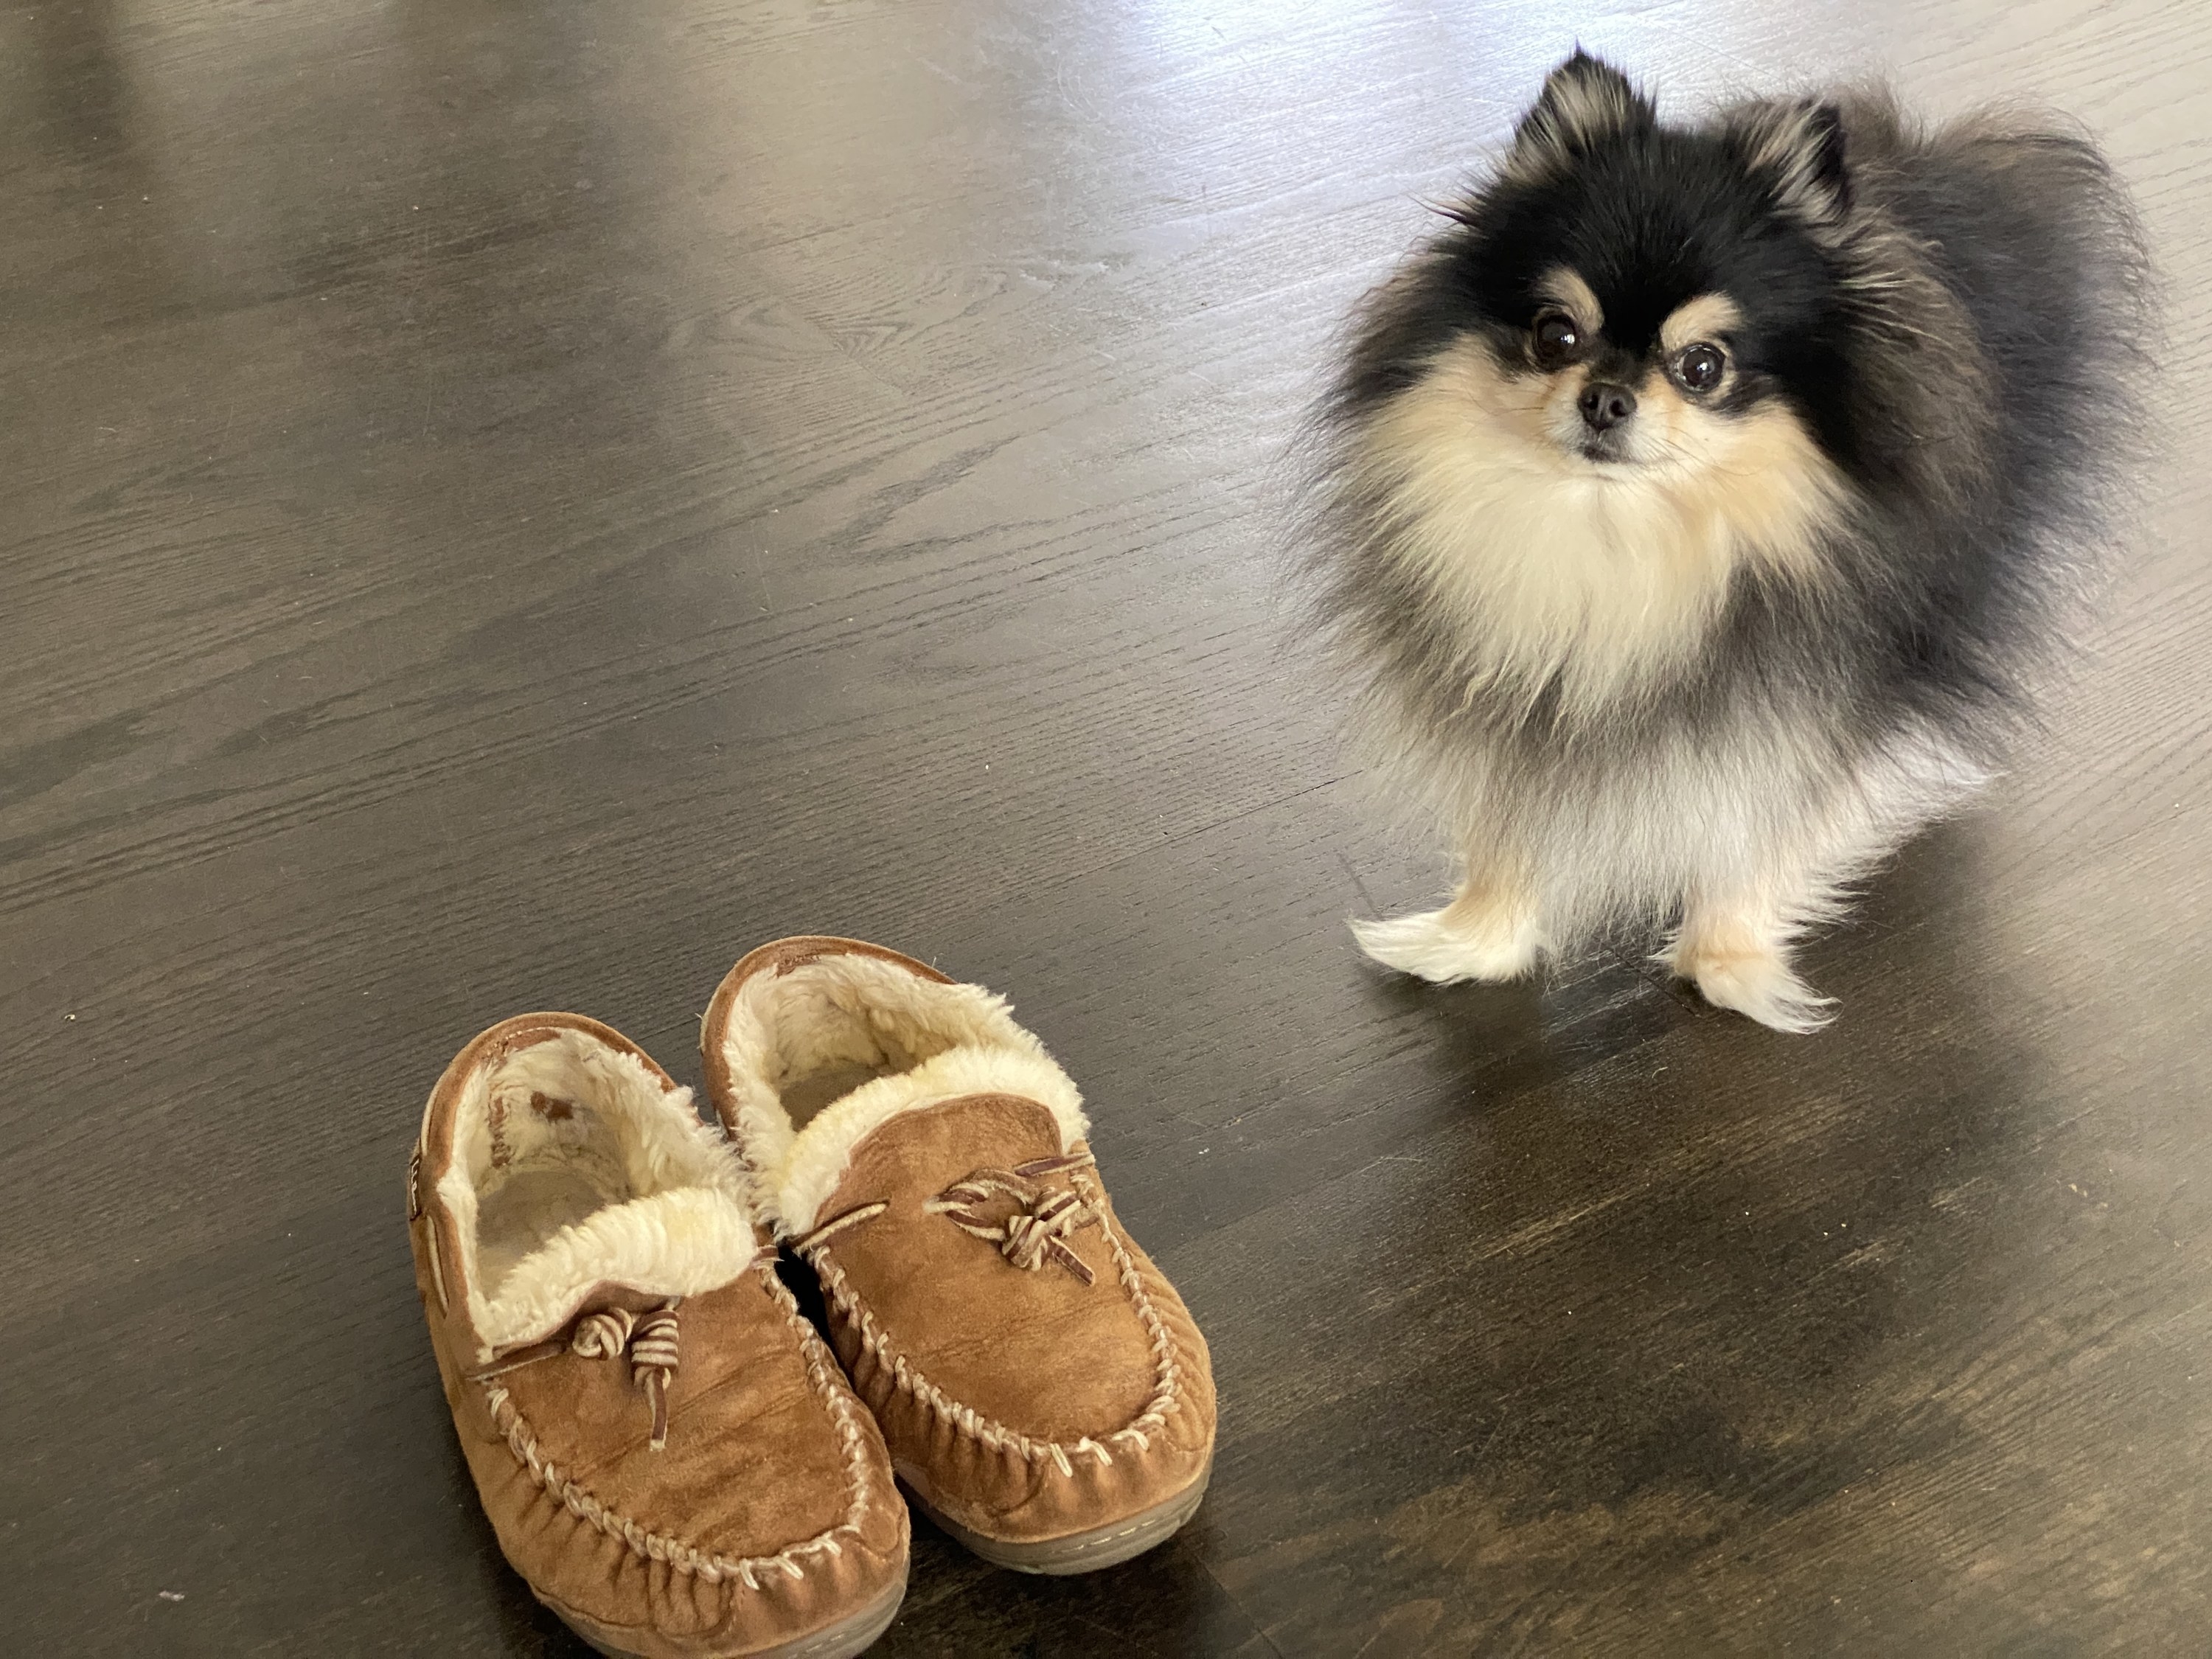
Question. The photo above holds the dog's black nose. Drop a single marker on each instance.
(1605, 404)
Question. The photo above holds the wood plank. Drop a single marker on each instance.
(509, 507)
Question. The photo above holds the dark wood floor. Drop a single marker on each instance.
(507, 506)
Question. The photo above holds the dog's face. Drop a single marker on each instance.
(1629, 394)
(1626, 297)
(1622, 376)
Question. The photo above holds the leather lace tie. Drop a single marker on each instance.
(1043, 1217)
(648, 1339)
(1037, 1231)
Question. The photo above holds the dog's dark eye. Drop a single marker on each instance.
(1557, 338)
(1699, 367)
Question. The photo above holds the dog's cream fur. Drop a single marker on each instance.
(927, 1041)
(1599, 574)
(673, 1221)
(1760, 847)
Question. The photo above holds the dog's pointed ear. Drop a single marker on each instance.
(1798, 149)
(1585, 101)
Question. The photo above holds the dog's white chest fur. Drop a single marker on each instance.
(1548, 566)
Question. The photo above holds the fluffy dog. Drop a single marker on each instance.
(1701, 507)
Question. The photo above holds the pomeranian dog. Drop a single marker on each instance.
(1699, 509)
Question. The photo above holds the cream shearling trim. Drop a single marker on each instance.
(680, 1242)
(818, 1157)
(942, 1041)
(663, 1142)
(686, 1227)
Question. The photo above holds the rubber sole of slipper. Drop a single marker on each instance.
(850, 1635)
(1079, 1552)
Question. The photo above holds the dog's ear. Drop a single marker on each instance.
(1797, 149)
(1585, 101)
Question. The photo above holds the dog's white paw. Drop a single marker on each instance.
(1428, 947)
(1759, 984)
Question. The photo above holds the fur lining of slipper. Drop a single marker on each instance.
(925, 1042)
(684, 1242)
(573, 1165)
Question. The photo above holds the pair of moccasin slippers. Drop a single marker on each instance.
(669, 1454)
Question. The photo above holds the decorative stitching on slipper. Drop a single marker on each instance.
(998, 1436)
(509, 1421)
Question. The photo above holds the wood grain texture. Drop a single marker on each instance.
(508, 506)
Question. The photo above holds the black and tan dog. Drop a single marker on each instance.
(1700, 507)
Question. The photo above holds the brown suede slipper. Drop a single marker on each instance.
(1046, 1397)
(668, 1453)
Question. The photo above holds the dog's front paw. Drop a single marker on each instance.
(1758, 983)
(1428, 946)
